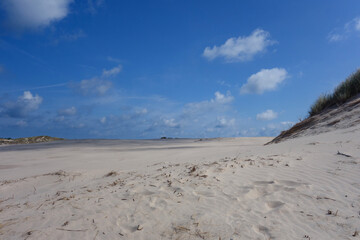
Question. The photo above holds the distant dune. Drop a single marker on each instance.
(28, 140)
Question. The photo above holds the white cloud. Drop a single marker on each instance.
(94, 86)
(141, 111)
(221, 98)
(345, 32)
(217, 104)
(30, 102)
(21, 123)
(68, 111)
(112, 59)
(222, 122)
(112, 72)
(333, 37)
(264, 80)
(24, 105)
(267, 115)
(103, 120)
(94, 4)
(287, 124)
(32, 14)
(243, 48)
(59, 118)
(97, 85)
(70, 37)
(171, 123)
(357, 24)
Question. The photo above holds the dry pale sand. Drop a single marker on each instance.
(183, 189)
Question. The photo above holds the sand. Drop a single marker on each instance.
(226, 188)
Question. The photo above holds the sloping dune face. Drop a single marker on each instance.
(304, 188)
(338, 117)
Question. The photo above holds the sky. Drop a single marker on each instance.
(175, 68)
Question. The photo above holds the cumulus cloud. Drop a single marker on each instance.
(267, 115)
(221, 98)
(112, 72)
(24, 105)
(243, 48)
(264, 80)
(345, 32)
(33, 14)
(67, 112)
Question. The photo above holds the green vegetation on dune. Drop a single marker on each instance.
(346, 90)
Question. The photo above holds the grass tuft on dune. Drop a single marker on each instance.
(343, 92)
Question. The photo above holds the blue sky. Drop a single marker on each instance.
(146, 69)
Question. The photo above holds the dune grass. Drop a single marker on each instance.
(343, 92)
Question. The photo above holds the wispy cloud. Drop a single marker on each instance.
(93, 5)
(218, 103)
(10, 47)
(103, 120)
(341, 34)
(34, 14)
(69, 37)
(97, 85)
(21, 123)
(112, 59)
(267, 115)
(287, 124)
(112, 72)
(242, 48)
(223, 122)
(39, 87)
(94, 86)
(23, 106)
(67, 111)
(264, 80)
(171, 123)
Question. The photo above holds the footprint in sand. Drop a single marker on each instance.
(263, 230)
(274, 204)
(263, 182)
(290, 183)
(256, 193)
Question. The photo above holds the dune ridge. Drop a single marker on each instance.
(333, 118)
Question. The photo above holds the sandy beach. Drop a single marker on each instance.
(179, 120)
(224, 188)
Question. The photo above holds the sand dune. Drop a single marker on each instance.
(183, 189)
